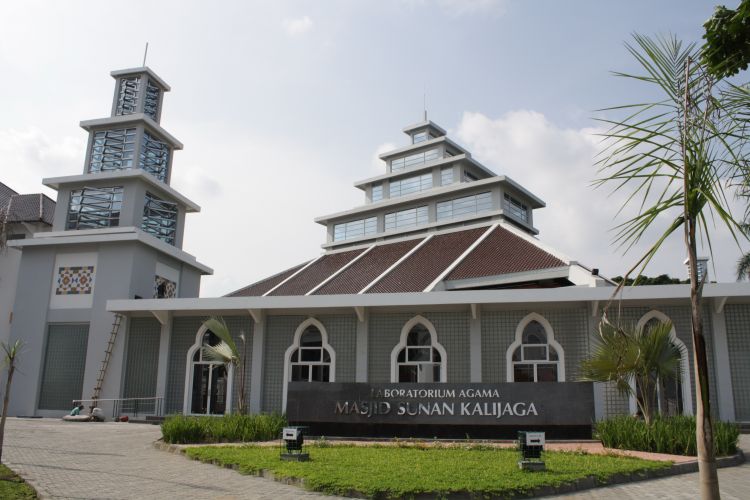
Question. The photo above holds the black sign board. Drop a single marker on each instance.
(506, 404)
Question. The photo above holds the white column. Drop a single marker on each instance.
(725, 395)
(362, 340)
(256, 365)
(161, 371)
(475, 344)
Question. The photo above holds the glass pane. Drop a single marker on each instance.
(218, 391)
(546, 373)
(427, 373)
(407, 373)
(534, 334)
(199, 399)
(326, 356)
(160, 218)
(210, 338)
(419, 335)
(552, 353)
(295, 356)
(418, 354)
(436, 373)
(517, 354)
(311, 337)
(535, 353)
(435, 355)
(309, 354)
(402, 356)
(300, 373)
(320, 373)
(523, 373)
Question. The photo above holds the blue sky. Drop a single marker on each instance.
(282, 106)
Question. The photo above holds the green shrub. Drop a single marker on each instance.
(180, 429)
(673, 435)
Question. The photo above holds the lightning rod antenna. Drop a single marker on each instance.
(145, 53)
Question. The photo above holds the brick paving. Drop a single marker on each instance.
(118, 461)
(733, 481)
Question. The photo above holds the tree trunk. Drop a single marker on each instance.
(11, 369)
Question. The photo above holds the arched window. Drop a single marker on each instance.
(311, 362)
(418, 357)
(534, 356)
(208, 385)
(310, 358)
(673, 396)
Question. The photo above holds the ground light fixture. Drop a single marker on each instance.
(292, 444)
(530, 447)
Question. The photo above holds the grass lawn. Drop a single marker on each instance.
(395, 471)
(13, 487)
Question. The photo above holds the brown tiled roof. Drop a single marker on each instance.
(360, 274)
(260, 287)
(503, 252)
(319, 270)
(426, 264)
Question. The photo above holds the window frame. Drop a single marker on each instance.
(296, 345)
(187, 398)
(434, 344)
(518, 343)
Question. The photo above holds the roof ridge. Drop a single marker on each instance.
(445, 272)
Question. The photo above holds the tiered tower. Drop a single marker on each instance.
(117, 234)
(430, 185)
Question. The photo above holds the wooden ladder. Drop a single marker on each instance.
(107, 357)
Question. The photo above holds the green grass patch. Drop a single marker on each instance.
(404, 471)
(179, 429)
(673, 435)
(12, 487)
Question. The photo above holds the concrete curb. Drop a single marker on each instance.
(583, 484)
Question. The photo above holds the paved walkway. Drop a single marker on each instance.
(118, 461)
(733, 481)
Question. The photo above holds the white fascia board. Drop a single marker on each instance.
(135, 118)
(414, 198)
(537, 202)
(419, 231)
(424, 124)
(411, 170)
(740, 292)
(110, 235)
(425, 166)
(142, 69)
(505, 279)
(414, 147)
(163, 188)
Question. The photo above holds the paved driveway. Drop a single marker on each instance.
(733, 481)
(115, 461)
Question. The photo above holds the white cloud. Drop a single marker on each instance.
(378, 165)
(298, 26)
(557, 164)
(30, 154)
(468, 7)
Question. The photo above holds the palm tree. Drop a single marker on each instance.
(226, 352)
(637, 360)
(676, 156)
(10, 353)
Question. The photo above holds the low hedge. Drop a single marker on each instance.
(179, 429)
(673, 435)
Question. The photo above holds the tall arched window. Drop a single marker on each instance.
(208, 384)
(534, 356)
(310, 358)
(418, 357)
(673, 396)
